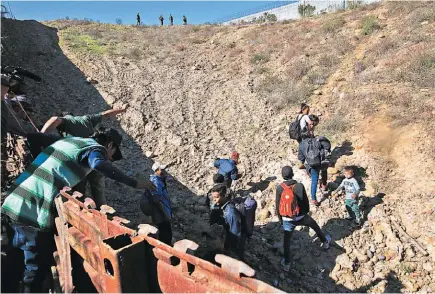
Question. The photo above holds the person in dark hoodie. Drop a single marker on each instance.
(292, 208)
(317, 168)
(162, 201)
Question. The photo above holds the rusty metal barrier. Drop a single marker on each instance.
(119, 259)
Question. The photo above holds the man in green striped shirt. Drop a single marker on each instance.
(29, 204)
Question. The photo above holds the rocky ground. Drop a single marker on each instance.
(192, 102)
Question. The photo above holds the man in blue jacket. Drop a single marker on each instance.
(224, 213)
(228, 168)
(161, 198)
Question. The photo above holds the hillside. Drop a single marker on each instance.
(199, 92)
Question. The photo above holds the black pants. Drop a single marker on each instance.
(289, 227)
(165, 232)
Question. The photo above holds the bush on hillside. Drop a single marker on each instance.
(306, 10)
(368, 24)
(259, 58)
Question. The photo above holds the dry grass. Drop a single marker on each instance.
(335, 126)
(333, 25)
(420, 69)
(299, 68)
(282, 93)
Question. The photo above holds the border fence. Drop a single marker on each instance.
(287, 10)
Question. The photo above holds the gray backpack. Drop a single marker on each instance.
(313, 152)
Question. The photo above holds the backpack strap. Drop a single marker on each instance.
(283, 185)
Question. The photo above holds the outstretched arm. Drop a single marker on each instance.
(51, 124)
(97, 160)
(113, 112)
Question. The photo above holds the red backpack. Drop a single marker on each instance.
(288, 205)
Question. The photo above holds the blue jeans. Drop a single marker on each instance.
(315, 173)
(37, 248)
(289, 227)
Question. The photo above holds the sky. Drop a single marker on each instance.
(197, 12)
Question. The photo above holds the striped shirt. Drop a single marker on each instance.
(30, 200)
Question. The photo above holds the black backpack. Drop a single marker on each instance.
(246, 207)
(294, 129)
(313, 154)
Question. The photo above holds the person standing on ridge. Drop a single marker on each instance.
(184, 20)
(161, 19)
(171, 19)
(138, 19)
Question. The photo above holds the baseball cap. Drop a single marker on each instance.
(235, 155)
(117, 140)
(158, 165)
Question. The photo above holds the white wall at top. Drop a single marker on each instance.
(291, 11)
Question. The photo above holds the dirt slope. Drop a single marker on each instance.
(197, 93)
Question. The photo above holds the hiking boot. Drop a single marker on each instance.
(285, 266)
(325, 245)
(323, 188)
(315, 202)
(358, 221)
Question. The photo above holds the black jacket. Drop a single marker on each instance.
(303, 147)
(301, 196)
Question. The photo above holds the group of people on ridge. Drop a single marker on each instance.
(161, 19)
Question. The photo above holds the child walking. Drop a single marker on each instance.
(352, 190)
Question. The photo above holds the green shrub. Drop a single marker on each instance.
(368, 24)
(306, 10)
(259, 58)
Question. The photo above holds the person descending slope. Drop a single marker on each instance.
(313, 151)
(300, 124)
(292, 208)
(224, 212)
(161, 19)
(138, 19)
(352, 189)
(228, 168)
(162, 202)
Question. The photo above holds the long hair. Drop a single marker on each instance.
(303, 107)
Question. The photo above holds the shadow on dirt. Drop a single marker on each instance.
(345, 149)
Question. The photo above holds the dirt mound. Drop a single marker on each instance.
(199, 92)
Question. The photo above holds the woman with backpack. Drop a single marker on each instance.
(304, 121)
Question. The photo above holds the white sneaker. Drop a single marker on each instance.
(325, 245)
(285, 266)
